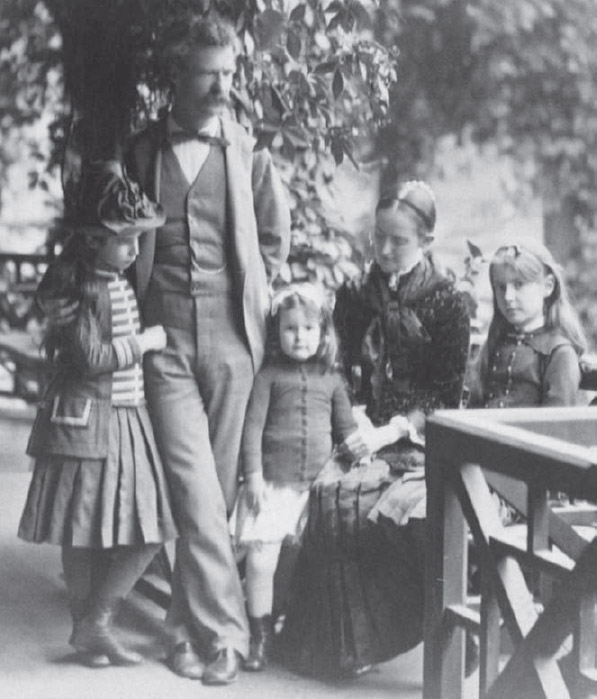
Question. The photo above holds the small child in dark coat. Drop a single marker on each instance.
(298, 410)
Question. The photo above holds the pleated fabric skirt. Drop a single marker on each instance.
(357, 591)
(122, 500)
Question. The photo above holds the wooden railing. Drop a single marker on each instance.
(25, 268)
(524, 455)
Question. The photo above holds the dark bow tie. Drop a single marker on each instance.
(181, 136)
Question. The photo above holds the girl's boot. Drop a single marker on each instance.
(78, 611)
(93, 635)
(260, 645)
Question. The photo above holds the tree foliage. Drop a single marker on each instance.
(311, 80)
(29, 73)
(520, 74)
(312, 84)
(315, 80)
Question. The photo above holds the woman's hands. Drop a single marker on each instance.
(588, 368)
(354, 448)
(255, 492)
(588, 363)
(368, 439)
(152, 339)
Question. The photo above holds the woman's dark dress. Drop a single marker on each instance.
(357, 593)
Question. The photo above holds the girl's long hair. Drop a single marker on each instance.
(304, 296)
(71, 278)
(530, 261)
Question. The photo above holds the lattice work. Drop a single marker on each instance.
(512, 451)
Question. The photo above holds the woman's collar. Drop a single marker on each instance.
(395, 277)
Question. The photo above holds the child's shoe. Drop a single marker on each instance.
(260, 645)
(78, 611)
(93, 635)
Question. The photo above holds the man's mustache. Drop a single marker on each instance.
(218, 98)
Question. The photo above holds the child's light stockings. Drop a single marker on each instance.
(261, 567)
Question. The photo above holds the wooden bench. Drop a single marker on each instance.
(20, 356)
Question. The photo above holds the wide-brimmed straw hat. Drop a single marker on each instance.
(110, 199)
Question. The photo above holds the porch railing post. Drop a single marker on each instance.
(445, 584)
(489, 635)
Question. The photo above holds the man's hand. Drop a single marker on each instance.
(152, 339)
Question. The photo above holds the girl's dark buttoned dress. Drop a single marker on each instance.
(536, 368)
(297, 412)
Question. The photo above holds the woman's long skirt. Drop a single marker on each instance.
(357, 592)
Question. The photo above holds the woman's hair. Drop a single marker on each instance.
(530, 262)
(416, 198)
(71, 278)
(312, 301)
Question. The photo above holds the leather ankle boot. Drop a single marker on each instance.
(78, 610)
(260, 644)
(93, 635)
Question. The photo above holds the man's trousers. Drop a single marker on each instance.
(197, 390)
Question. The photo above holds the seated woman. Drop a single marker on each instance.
(357, 596)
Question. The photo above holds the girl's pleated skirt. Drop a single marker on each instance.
(121, 500)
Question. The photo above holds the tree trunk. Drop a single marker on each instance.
(560, 211)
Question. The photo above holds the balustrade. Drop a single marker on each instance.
(540, 587)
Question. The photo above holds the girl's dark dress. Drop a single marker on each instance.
(122, 499)
(357, 593)
(525, 369)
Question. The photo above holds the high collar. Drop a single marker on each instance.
(395, 278)
(543, 340)
(210, 127)
(515, 334)
(421, 280)
(107, 274)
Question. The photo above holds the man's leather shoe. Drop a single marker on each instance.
(223, 669)
(185, 662)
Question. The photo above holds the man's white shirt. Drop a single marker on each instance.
(192, 154)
